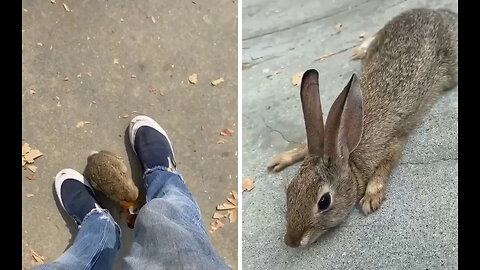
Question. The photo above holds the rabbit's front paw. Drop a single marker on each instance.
(280, 162)
(373, 198)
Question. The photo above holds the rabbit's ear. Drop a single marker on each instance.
(312, 112)
(344, 126)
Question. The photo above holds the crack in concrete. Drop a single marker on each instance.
(281, 134)
(341, 10)
(428, 162)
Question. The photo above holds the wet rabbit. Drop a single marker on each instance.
(405, 67)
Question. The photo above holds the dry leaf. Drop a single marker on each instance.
(234, 194)
(31, 177)
(233, 215)
(125, 116)
(25, 149)
(82, 123)
(66, 78)
(32, 168)
(225, 206)
(32, 92)
(153, 90)
(133, 76)
(247, 184)
(37, 258)
(217, 215)
(217, 224)
(217, 81)
(338, 26)
(227, 132)
(32, 154)
(23, 161)
(40, 44)
(66, 7)
(89, 74)
(232, 201)
(115, 61)
(79, 75)
(153, 19)
(325, 56)
(297, 78)
(30, 195)
(193, 78)
(53, 1)
(121, 19)
(221, 141)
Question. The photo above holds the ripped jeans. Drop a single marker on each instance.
(169, 233)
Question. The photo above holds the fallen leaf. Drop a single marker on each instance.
(217, 215)
(133, 76)
(216, 224)
(32, 92)
(338, 26)
(221, 141)
(66, 79)
(32, 155)
(247, 184)
(153, 90)
(31, 177)
(94, 102)
(125, 116)
(234, 194)
(217, 81)
(25, 149)
(297, 78)
(66, 7)
(227, 132)
(23, 161)
(68, 90)
(38, 259)
(32, 168)
(79, 75)
(225, 206)
(153, 19)
(115, 61)
(233, 215)
(232, 201)
(26, 10)
(325, 56)
(53, 1)
(193, 78)
(40, 44)
(89, 74)
(121, 19)
(29, 195)
(82, 123)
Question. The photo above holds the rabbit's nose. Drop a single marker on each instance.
(290, 241)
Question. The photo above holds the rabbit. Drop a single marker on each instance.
(405, 68)
(108, 174)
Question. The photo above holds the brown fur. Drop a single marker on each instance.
(406, 66)
(108, 174)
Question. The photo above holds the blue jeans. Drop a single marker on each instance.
(169, 233)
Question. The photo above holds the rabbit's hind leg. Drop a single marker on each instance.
(375, 191)
(288, 158)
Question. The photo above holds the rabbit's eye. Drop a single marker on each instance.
(324, 202)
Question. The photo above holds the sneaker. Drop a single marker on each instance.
(151, 143)
(75, 194)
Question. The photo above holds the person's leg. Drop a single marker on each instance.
(169, 230)
(98, 239)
